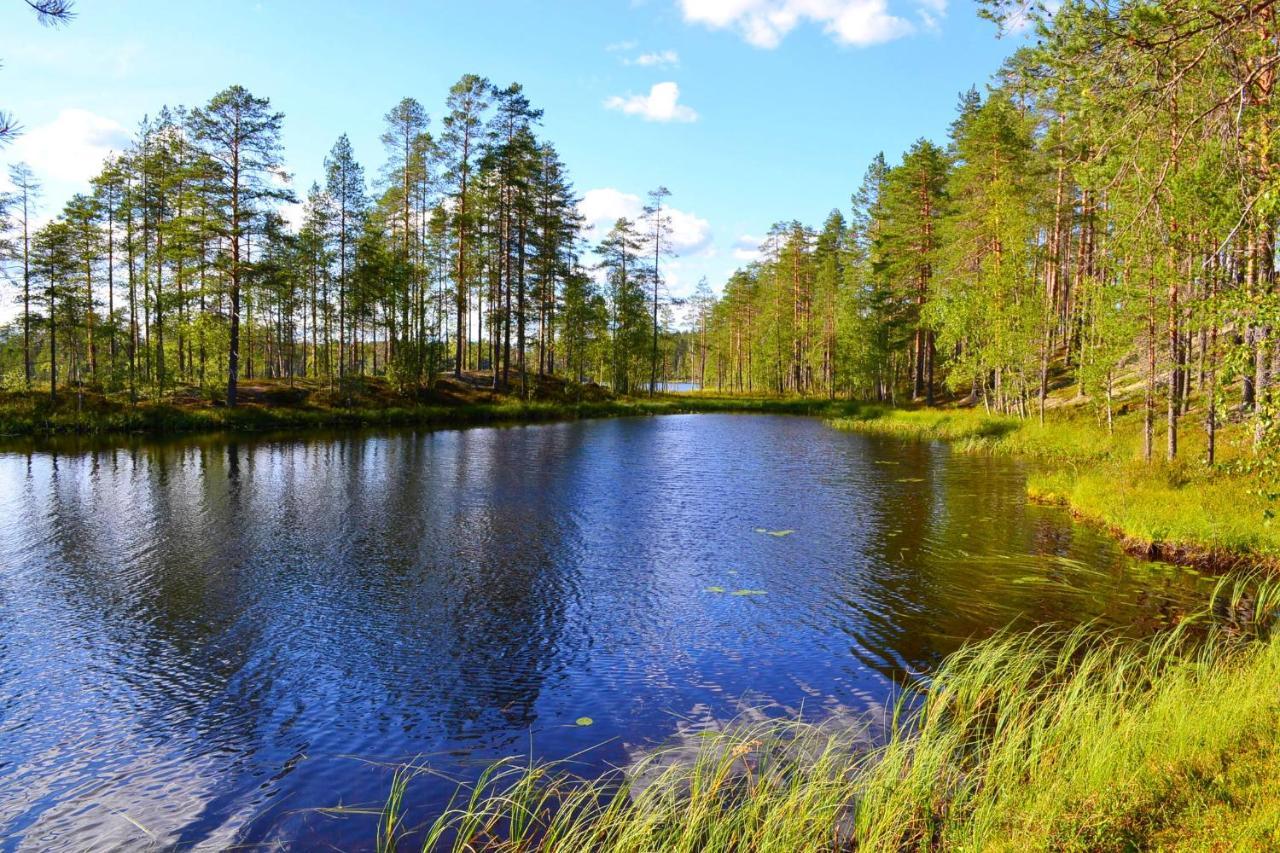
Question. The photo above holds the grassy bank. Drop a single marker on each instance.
(1030, 742)
(1180, 512)
(33, 416)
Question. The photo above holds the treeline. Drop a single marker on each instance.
(175, 271)
(1104, 213)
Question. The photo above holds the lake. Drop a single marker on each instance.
(205, 642)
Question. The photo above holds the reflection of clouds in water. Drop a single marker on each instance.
(757, 728)
(146, 802)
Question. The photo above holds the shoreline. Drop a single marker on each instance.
(1215, 561)
(1095, 495)
(1208, 519)
(166, 421)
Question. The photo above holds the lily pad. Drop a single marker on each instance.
(714, 589)
(584, 721)
(745, 592)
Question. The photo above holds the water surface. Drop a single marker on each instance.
(202, 643)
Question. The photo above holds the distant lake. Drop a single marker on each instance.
(211, 640)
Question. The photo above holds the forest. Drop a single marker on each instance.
(1010, 583)
(177, 269)
(1102, 213)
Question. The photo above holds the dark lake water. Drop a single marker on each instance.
(204, 643)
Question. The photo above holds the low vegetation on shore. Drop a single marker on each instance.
(1216, 517)
(1035, 741)
(368, 402)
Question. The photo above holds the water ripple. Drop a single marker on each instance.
(202, 643)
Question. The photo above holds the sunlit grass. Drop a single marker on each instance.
(1037, 741)
(1181, 510)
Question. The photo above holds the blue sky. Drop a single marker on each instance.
(763, 109)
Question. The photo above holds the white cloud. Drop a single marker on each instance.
(690, 233)
(605, 206)
(621, 46)
(294, 213)
(931, 13)
(661, 104)
(764, 23)
(71, 148)
(747, 248)
(658, 59)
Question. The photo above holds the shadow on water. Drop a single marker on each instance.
(207, 642)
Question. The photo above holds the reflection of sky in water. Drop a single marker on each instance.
(201, 643)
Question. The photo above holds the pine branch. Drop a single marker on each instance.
(53, 12)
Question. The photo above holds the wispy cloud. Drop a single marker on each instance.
(658, 59)
(118, 60)
(662, 104)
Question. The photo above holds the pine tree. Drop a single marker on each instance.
(913, 204)
(344, 184)
(26, 196)
(241, 137)
(658, 233)
(408, 147)
(628, 314)
(54, 264)
(463, 130)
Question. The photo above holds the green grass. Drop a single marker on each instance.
(1038, 741)
(1181, 511)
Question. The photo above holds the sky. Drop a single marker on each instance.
(749, 111)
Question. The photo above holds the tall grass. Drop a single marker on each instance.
(1036, 741)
